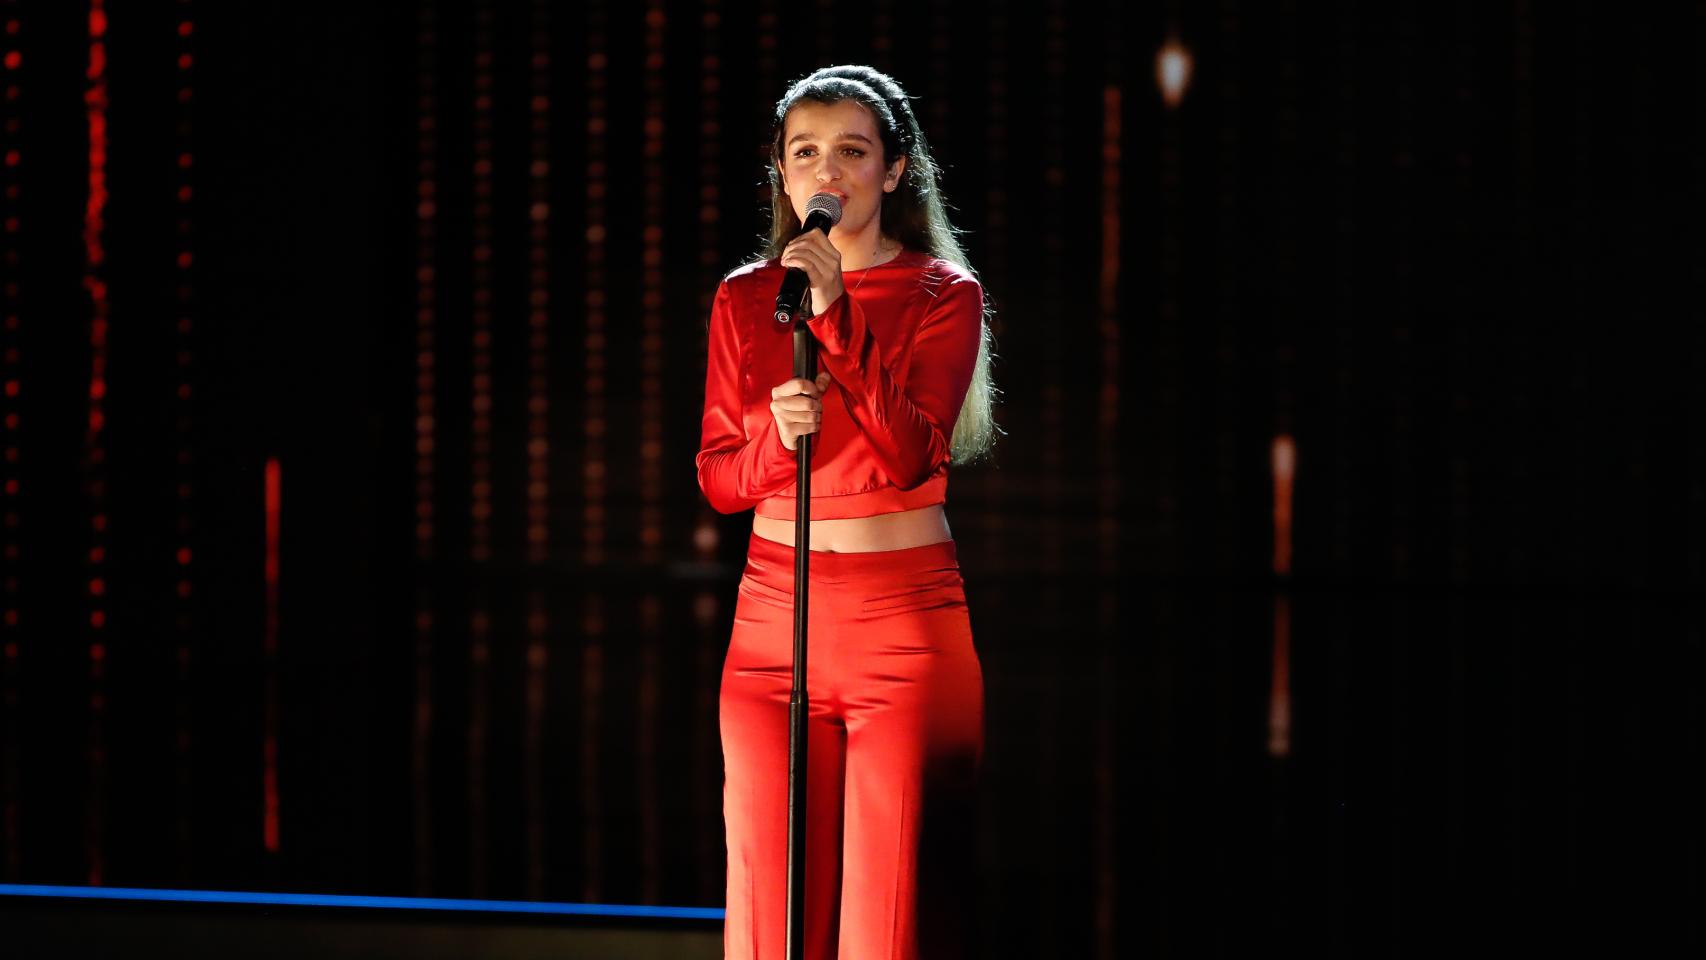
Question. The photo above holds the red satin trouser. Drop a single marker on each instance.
(894, 739)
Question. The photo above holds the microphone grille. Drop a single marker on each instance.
(828, 203)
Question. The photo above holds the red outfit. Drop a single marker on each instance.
(901, 349)
(895, 726)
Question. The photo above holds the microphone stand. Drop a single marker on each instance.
(805, 365)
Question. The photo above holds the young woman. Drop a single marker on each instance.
(895, 729)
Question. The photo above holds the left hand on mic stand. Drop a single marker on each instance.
(812, 252)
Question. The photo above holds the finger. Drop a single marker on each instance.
(808, 260)
(813, 246)
(819, 248)
(811, 240)
(814, 237)
(821, 245)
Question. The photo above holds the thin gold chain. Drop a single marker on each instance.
(873, 263)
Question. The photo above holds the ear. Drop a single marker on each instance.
(892, 181)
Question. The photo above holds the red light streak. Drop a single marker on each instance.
(94, 227)
(269, 749)
(1283, 461)
(10, 721)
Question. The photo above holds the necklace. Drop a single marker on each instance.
(867, 270)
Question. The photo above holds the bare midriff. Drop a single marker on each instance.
(885, 531)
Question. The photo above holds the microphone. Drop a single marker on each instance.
(823, 211)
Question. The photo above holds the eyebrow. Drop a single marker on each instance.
(807, 135)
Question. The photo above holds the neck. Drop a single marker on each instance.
(863, 249)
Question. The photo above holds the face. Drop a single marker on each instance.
(835, 147)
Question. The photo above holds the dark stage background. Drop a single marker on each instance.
(412, 300)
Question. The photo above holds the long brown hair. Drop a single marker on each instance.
(915, 213)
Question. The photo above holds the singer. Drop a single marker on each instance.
(895, 727)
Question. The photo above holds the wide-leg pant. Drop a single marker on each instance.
(894, 739)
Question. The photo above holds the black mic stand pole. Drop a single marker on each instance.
(805, 366)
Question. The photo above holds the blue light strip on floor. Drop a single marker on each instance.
(339, 900)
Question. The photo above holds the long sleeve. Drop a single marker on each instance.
(910, 431)
(735, 471)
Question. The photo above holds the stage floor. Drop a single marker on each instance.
(53, 927)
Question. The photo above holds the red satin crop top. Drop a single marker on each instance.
(900, 351)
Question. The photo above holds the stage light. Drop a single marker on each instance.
(1282, 459)
(538, 539)
(95, 100)
(1173, 72)
(11, 507)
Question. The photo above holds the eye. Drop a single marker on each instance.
(856, 151)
